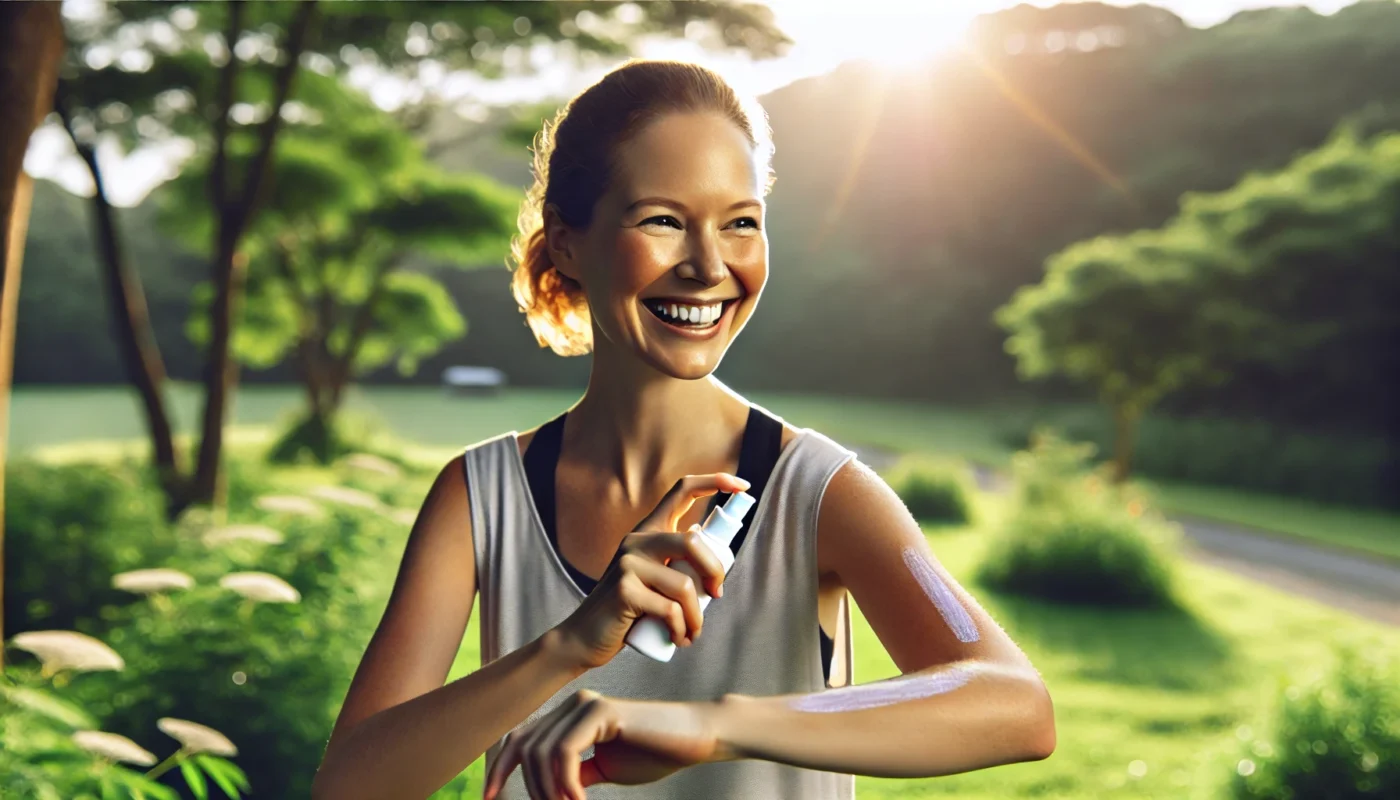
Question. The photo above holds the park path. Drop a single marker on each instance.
(1366, 586)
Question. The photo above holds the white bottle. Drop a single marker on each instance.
(650, 635)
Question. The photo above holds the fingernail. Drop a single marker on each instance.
(743, 483)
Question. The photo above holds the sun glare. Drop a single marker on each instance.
(893, 33)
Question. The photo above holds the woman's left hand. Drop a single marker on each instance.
(633, 742)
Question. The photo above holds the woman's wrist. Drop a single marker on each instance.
(560, 652)
(724, 719)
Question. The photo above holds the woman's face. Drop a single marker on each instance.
(676, 255)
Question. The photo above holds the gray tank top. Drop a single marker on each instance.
(760, 639)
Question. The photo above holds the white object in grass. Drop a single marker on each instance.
(346, 496)
(151, 581)
(69, 650)
(114, 746)
(246, 533)
(261, 587)
(196, 738)
(288, 504)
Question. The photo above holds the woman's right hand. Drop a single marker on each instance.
(639, 581)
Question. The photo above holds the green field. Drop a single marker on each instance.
(80, 421)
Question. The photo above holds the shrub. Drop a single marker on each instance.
(934, 492)
(270, 676)
(47, 751)
(1244, 454)
(1071, 537)
(68, 530)
(1334, 738)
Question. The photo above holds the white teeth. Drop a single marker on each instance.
(696, 315)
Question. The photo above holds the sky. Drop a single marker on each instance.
(914, 30)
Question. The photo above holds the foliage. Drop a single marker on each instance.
(68, 530)
(40, 758)
(1332, 738)
(270, 676)
(1072, 537)
(1252, 454)
(936, 492)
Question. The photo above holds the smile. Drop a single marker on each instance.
(688, 316)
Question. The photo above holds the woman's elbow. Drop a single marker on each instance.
(1041, 726)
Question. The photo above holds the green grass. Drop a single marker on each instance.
(1170, 689)
(1373, 532)
(436, 425)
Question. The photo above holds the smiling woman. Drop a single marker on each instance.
(643, 246)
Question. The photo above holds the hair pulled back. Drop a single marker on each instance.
(573, 163)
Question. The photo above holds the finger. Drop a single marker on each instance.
(587, 730)
(565, 759)
(537, 755)
(501, 769)
(704, 561)
(667, 547)
(589, 773)
(676, 586)
(646, 601)
(684, 494)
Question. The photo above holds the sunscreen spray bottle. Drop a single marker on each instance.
(651, 636)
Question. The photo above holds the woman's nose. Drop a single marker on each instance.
(705, 262)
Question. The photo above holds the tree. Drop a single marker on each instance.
(31, 43)
(1294, 269)
(192, 71)
(351, 204)
(1133, 316)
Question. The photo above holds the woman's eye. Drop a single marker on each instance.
(665, 219)
(746, 222)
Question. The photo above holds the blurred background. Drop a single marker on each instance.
(1108, 293)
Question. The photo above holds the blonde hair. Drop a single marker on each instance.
(572, 166)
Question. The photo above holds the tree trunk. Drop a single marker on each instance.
(235, 211)
(31, 42)
(1125, 423)
(132, 325)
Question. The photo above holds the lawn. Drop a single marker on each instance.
(436, 424)
(1174, 691)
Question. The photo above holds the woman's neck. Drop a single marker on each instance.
(644, 429)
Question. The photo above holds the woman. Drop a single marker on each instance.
(643, 243)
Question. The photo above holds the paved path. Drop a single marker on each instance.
(1365, 586)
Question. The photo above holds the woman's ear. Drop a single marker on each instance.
(561, 242)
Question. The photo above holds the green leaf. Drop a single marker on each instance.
(223, 774)
(54, 708)
(195, 779)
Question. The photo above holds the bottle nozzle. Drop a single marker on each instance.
(724, 522)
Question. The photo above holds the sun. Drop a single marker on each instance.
(892, 33)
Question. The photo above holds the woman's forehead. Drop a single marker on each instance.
(689, 154)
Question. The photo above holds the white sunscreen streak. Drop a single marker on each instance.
(885, 693)
(941, 596)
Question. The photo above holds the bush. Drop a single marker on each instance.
(1243, 454)
(1070, 537)
(269, 676)
(934, 492)
(68, 530)
(1336, 738)
(41, 756)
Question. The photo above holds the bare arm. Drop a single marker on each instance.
(401, 733)
(968, 697)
